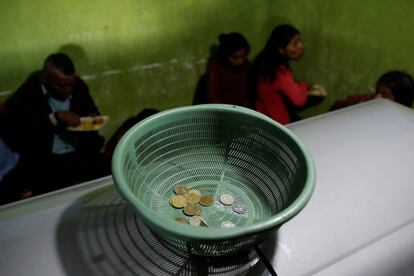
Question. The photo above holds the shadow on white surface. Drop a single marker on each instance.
(100, 235)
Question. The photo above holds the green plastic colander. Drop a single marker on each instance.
(217, 149)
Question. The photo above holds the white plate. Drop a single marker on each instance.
(90, 123)
(317, 90)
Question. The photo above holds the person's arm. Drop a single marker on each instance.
(83, 105)
(297, 93)
(65, 118)
(351, 100)
(27, 125)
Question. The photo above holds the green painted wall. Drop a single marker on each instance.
(149, 53)
(133, 53)
(350, 43)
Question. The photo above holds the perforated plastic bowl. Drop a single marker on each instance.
(216, 149)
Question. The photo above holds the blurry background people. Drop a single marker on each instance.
(37, 116)
(8, 160)
(394, 85)
(11, 178)
(11, 188)
(277, 92)
(227, 77)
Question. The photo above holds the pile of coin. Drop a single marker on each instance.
(237, 206)
(190, 201)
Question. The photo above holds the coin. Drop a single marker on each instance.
(192, 198)
(206, 200)
(195, 220)
(239, 207)
(227, 224)
(178, 201)
(226, 199)
(192, 209)
(182, 219)
(197, 192)
(180, 190)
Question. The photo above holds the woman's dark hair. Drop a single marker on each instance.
(60, 61)
(401, 85)
(231, 43)
(269, 59)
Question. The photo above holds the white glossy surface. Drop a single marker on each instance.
(358, 222)
(28, 231)
(363, 202)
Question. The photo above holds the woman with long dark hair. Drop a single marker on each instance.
(275, 86)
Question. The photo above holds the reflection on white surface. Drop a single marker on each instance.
(285, 249)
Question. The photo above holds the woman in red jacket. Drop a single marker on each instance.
(276, 88)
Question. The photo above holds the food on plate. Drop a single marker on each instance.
(91, 123)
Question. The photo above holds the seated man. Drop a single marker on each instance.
(37, 116)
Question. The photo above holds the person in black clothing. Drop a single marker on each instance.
(37, 116)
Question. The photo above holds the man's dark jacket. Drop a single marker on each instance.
(29, 129)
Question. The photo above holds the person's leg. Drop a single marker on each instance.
(99, 165)
(15, 186)
(9, 192)
(66, 169)
(78, 167)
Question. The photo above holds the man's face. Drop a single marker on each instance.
(59, 85)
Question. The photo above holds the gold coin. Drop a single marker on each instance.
(192, 210)
(206, 200)
(197, 192)
(180, 190)
(192, 198)
(178, 201)
(182, 219)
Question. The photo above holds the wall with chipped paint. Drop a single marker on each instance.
(350, 43)
(136, 54)
(133, 54)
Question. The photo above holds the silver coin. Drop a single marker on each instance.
(226, 199)
(227, 224)
(239, 207)
(195, 220)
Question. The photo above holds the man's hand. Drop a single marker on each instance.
(68, 118)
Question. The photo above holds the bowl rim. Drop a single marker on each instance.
(189, 232)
